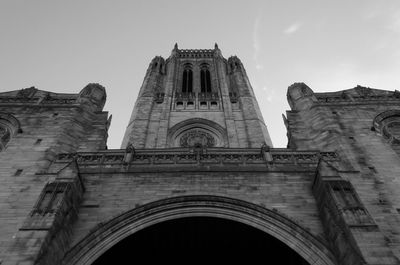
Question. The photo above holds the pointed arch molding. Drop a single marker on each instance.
(105, 235)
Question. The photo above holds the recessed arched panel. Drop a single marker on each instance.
(197, 132)
(107, 234)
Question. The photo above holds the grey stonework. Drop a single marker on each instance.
(332, 195)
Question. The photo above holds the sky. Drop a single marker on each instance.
(61, 46)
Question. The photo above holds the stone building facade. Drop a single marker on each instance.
(197, 146)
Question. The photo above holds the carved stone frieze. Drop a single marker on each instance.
(193, 156)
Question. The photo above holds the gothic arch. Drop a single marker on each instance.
(213, 133)
(107, 234)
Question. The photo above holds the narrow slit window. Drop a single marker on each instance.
(208, 78)
(190, 81)
(205, 78)
(203, 81)
(184, 81)
(187, 81)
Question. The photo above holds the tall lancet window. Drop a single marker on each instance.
(187, 81)
(205, 80)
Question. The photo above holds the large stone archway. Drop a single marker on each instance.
(106, 235)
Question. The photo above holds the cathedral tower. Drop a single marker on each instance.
(196, 98)
(197, 174)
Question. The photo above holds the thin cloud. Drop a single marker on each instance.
(395, 22)
(292, 28)
(256, 42)
(259, 66)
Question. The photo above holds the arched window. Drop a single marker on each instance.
(205, 80)
(187, 81)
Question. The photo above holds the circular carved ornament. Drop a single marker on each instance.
(391, 130)
(197, 138)
(388, 125)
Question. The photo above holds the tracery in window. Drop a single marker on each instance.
(51, 198)
(348, 203)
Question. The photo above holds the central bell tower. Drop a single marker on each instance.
(196, 98)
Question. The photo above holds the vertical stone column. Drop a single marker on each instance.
(221, 73)
(169, 84)
(138, 127)
(255, 127)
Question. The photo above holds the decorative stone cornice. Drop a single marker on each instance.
(184, 157)
(45, 100)
(358, 95)
(195, 53)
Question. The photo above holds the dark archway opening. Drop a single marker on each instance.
(200, 240)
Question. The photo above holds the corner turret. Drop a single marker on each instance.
(93, 95)
(300, 96)
(234, 64)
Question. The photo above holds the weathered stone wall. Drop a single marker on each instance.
(343, 122)
(108, 195)
(49, 124)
